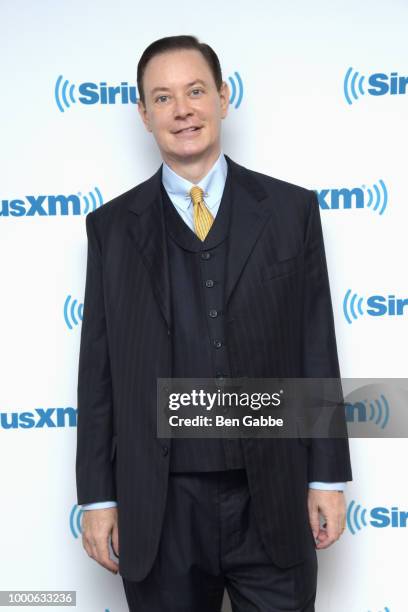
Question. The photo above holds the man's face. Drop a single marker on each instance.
(183, 108)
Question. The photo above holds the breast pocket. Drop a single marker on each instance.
(279, 269)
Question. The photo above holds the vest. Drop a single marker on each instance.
(197, 283)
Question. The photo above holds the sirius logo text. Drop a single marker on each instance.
(355, 306)
(52, 205)
(374, 198)
(39, 418)
(378, 84)
(89, 93)
(379, 517)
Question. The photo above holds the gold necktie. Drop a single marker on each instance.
(203, 219)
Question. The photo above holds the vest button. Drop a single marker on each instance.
(217, 344)
(205, 256)
(165, 451)
(213, 314)
(209, 283)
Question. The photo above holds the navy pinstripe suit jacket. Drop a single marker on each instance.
(279, 324)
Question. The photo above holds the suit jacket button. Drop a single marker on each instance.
(165, 450)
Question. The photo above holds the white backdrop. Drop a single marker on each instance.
(294, 116)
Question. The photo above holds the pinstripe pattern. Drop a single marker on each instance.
(279, 323)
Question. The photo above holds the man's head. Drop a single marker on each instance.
(182, 98)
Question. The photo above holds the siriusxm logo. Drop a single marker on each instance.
(52, 205)
(40, 417)
(72, 312)
(355, 306)
(66, 94)
(378, 84)
(379, 517)
(75, 517)
(377, 411)
(375, 198)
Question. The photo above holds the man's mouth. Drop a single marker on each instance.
(188, 129)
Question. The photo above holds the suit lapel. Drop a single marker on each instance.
(147, 230)
(248, 217)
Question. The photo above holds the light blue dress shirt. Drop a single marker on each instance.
(178, 189)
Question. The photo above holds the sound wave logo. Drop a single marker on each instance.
(386, 609)
(353, 85)
(91, 201)
(237, 89)
(73, 312)
(352, 306)
(375, 198)
(75, 521)
(64, 93)
(379, 411)
(356, 517)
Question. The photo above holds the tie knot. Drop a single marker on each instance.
(196, 194)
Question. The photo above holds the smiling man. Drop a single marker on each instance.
(205, 270)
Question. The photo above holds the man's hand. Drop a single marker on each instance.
(332, 506)
(97, 527)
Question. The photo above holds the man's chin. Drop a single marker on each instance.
(189, 155)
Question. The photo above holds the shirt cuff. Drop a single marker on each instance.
(328, 486)
(99, 505)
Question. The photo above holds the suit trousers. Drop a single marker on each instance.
(210, 541)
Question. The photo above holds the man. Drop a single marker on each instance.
(207, 269)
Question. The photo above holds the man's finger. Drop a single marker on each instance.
(329, 533)
(102, 556)
(314, 521)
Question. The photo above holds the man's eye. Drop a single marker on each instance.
(161, 98)
(196, 92)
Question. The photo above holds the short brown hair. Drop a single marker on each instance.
(175, 43)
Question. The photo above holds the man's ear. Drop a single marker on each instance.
(224, 98)
(143, 114)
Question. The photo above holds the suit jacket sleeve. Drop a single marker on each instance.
(329, 458)
(94, 473)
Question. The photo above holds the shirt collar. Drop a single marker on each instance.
(212, 184)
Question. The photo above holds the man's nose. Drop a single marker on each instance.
(182, 107)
